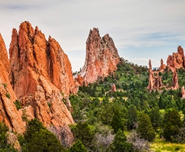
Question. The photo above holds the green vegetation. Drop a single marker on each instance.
(145, 128)
(38, 138)
(8, 95)
(18, 104)
(4, 85)
(4, 147)
(78, 147)
(131, 107)
(132, 119)
(120, 143)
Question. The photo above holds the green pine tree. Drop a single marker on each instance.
(145, 128)
(78, 147)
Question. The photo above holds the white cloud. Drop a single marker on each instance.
(69, 21)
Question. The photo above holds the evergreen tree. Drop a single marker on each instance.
(117, 122)
(84, 132)
(172, 124)
(145, 128)
(78, 147)
(120, 143)
(44, 141)
(132, 116)
(155, 117)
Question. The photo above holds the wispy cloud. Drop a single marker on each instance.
(134, 25)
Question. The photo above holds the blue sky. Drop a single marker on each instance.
(141, 29)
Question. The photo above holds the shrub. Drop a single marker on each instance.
(84, 132)
(120, 143)
(44, 141)
(8, 95)
(145, 128)
(172, 124)
(78, 147)
(18, 104)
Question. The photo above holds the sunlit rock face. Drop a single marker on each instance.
(101, 57)
(177, 60)
(41, 76)
(155, 81)
(8, 111)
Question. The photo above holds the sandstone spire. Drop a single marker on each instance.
(177, 60)
(155, 81)
(40, 71)
(101, 57)
(162, 67)
(175, 80)
(8, 111)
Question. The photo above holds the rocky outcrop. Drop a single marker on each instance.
(13, 141)
(8, 111)
(183, 92)
(101, 57)
(175, 80)
(80, 80)
(40, 71)
(113, 88)
(155, 81)
(177, 60)
(162, 67)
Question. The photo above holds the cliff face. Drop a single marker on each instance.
(40, 71)
(101, 57)
(177, 60)
(8, 111)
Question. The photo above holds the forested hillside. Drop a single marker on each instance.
(126, 116)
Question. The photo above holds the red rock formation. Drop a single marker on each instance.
(8, 111)
(101, 57)
(177, 60)
(162, 67)
(113, 89)
(155, 81)
(40, 71)
(183, 92)
(80, 80)
(175, 81)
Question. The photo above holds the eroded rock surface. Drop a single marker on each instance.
(162, 67)
(155, 81)
(177, 60)
(41, 75)
(183, 92)
(101, 57)
(113, 88)
(8, 111)
(175, 80)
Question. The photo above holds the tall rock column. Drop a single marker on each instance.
(41, 76)
(101, 57)
(151, 77)
(162, 67)
(8, 111)
(175, 81)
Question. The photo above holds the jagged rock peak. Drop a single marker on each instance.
(40, 71)
(101, 57)
(162, 66)
(177, 60)
(4, 54)
(30, 49)
(8, 111)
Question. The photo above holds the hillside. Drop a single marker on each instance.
(105, 110)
